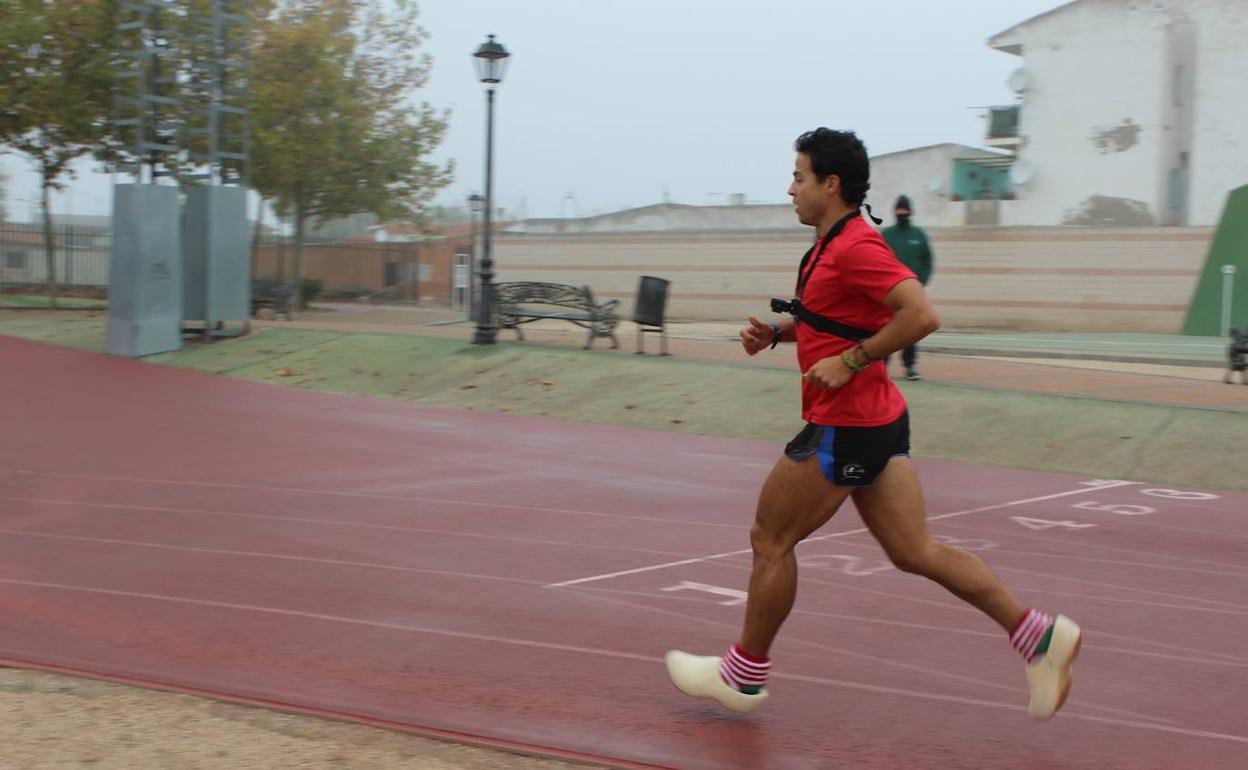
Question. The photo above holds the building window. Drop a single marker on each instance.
(1003, 122)
(15, 260)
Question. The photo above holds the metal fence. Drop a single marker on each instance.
(400, 272)
(397, 271)
(81, 256)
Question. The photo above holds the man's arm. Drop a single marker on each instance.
(927, 261)
(913, 319)
(758, 335)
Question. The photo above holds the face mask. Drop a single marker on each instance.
(903, 219)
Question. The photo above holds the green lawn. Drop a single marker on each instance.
(1086, 437)
(41, 301)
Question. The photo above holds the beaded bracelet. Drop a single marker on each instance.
(852, 365)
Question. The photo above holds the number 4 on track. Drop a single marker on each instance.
(1030, 523)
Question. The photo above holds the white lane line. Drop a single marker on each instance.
(1150, 567)
(533, 644)
(336, 523)
(371, 496)
(275, 556)
(1023, 589)
(827, 652)
(1071, 544)
(953, 605)
(1118, 586)
(1012, 503)
(1218, 661)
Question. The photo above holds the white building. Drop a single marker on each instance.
(1132, 112)
(948, 184)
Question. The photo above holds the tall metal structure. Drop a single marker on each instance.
(145, 271)
(148, 108)
(491, 60)
(218, 141)
(219, 88)
(180, 251)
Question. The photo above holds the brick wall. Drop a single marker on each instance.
(362, 266)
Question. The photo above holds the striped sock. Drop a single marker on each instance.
(1031, 636)
(742, 671)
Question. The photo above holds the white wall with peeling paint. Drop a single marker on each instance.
(1220, 144)
(1135, 113)
(1092, 118)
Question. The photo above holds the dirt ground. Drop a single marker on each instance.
(52, 722)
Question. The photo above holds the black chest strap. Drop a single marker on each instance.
(819, 323)
(825, 325)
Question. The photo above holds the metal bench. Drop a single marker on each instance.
(520, 302)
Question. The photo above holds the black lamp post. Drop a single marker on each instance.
(491, 59)
(476, 204)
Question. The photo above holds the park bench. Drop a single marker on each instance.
(521, 302)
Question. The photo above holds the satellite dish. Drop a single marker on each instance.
(1022, 172)
(936, 185)
(1020, 80)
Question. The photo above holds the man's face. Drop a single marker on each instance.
(810, 196)
(903, 214)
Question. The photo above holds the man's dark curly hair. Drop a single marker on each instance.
(841, 153)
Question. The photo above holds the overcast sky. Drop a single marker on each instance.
(615, 102)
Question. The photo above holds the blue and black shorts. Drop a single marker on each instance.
(852, 457)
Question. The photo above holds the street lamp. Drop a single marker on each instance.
(475, 205)
(491, 59)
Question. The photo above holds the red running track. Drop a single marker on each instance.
(515, 581)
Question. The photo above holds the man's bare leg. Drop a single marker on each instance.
(892, 508)
(795, 501)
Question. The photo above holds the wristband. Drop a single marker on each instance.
(853, 366)
(777, 333)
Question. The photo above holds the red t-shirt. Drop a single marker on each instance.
(848, 284)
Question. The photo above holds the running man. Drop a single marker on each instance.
(856, 304)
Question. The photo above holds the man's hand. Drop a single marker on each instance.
(757, 336)
(830, 373)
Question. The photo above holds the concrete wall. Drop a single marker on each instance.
(1135, 113)
(1220, 153)
(1093, 118)
(1136, 279)
(667, 217)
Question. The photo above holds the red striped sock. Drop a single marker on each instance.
(1027, 634)
(743, 671)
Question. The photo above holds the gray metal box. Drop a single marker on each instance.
(145, 271)
(217, 255)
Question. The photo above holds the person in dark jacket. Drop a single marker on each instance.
(911, 246)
